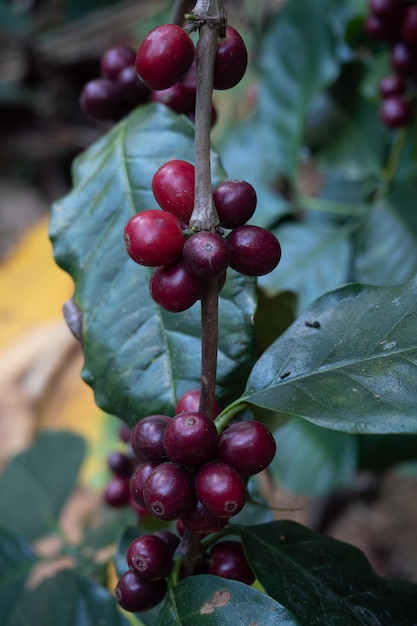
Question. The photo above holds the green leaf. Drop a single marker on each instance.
(67, 599)
(324, 581)
(349, 362)
(213, 601)
(139, 358)
(36, 483)
(16, 562)
(312, 460)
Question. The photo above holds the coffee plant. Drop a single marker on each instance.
(245, 307)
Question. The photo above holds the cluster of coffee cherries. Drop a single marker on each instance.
(185, 259)
(395, 22)
(163, 70)
(188, 472)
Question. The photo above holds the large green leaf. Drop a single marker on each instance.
(323, 581)
(16, 562)
(67, 599)
(348, 363)
(138, 357)
(213, 601)
(36, 484)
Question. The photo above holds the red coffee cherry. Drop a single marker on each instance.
(409, 25)
(149, 557)
(231, 60)
(116, 493)
(220, 488)
(120, 464)
(403, 59)
(235, 202)
(101, 100)
(396, 112)
(132, 90)
(206, 254)
(169, 491)
(190, 439)
(179, 98)
(147, 437)
(136, 595)
(254, 251)
(202, 521)
(247, 446)
(115, 60)
(174, 287)
(165, 55)
(154, 238)
(138, 480)
(392, 86)
(173, 188)
(170, 539)
(189, 402)
(386, 9)
(228, 560)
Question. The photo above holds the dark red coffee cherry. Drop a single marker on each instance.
(124, 433)
(206, 254)
(120, 464)
(228, 560)
(138, 480)
(115, 60)
(396, 112)
(169, 491)
(392, 86)
(220, 489)
(170, 539)
(149, 557)
(386, 9)
(254, 251)
(404, 59)
(147, 438)
(231, 60)
(190, 439)
(117, 493)
(136, 595)
(154, 238)
(179, 98)
(247, 446)
(202, 521)
(174, 287)
(132, 90)
(189, 402)
(235, 202)
(101, 100)
(409, 25)
(165, 55)
(173, 188)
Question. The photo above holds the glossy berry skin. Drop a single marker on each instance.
(138, 480)
(173, 188)
(202, 521)
(136, 595)
(170, 539)
(132, 90)
(228, 560)
(101, 100)
(247, 446)
(165, 55)
(169, 491)
(120, 464)
(396, 112)
(179, 98)
(391, 86)
(174, 287)
(115, 60)
(220, 489)
(191, 439)
(231, 60)
(409, 26)
(149, 557)
(235, 202)
(153, 238)
(147, 437)
(206, 254)
(404, 59)
(117, 493)
(254, 251)
(189, 402)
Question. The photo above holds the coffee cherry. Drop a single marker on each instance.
(164, 56)
(117, 493)
(170, 539)
(386, 9)
(202, 521)
(254, 251)
(190, 439)
(231, 60)
(149, 557)
(247, 446)
(147, 438)
(206, 254)
(138, 480)
(124, 433)
(173, 188)
(115, 60)
(409, 25)
(396, 112)
(132, 90)
(392, 86)
(120, 464)
(174, 287)
(179, 98)
(220, 489)
(153, 238)
(169, 491)
(228, 560)
(404, 59)
(189, 402)
(101, 100)
(136, 595)
(235, 202)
